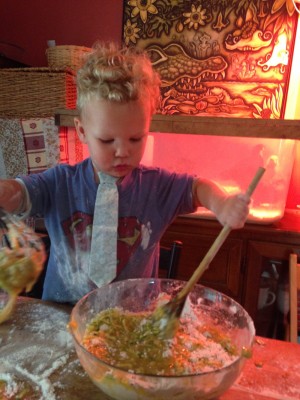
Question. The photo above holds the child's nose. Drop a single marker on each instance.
(122, 150)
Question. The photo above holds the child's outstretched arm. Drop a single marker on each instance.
(232, 210)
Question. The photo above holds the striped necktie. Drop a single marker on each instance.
(103, 256)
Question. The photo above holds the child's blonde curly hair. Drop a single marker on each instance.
(118, 74)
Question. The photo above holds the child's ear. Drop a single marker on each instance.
(80, 130)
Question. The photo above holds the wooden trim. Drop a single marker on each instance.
(294, 280)
(214, 126)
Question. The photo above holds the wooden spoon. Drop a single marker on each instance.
(167, 315)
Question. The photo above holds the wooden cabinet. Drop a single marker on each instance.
(197, 236)
(246, 256)
(268, 259)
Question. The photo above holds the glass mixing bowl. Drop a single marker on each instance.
(210, 306)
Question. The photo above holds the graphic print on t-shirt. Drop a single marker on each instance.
(131, 235)
(78, 230)
(129, 238)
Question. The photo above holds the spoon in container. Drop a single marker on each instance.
(166, 316)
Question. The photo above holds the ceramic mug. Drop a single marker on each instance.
(283, 298)
(265, 298)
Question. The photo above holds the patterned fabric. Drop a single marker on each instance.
(13, 149)
(51, 141)
(103, 257)
(28, 146)
(34, 145)
(63, 145)
(2, 166)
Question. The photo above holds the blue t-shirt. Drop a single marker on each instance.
(149, 200)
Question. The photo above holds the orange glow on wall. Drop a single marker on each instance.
(292, 111)
(293, 198)
(232, 163)
(280, 54)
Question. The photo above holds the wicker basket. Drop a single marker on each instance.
(36, 92)
(66, 56)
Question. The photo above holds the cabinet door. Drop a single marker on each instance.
(224, 273)
(262, 257)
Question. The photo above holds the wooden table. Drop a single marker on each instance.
(35, 347)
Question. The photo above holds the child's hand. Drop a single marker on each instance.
(234, 211)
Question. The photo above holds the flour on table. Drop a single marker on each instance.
(37, 362)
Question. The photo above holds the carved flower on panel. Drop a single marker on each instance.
(143, 7)
(130, 32)
(196, 17)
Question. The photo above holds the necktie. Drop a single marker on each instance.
(103, 256)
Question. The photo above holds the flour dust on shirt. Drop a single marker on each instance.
(149, 200)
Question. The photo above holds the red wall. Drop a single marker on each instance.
(26, 25)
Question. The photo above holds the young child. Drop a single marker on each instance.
(118, 93)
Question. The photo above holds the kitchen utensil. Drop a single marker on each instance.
(166, 316)
(22, 257)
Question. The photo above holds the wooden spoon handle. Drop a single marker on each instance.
(220, 239)
(255, 180)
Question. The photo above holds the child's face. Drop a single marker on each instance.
(115, 134)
